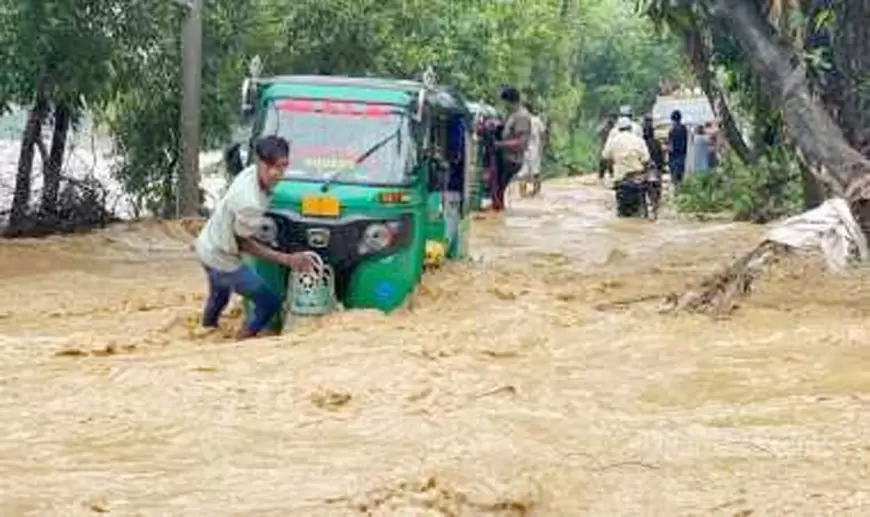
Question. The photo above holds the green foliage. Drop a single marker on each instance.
(622, 59)
(768, 189)
(575, 59)
(584, 150)
(144, 115)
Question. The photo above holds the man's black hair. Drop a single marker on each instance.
(272, 148)
(676, 116)
(510, 94)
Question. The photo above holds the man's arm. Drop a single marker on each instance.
(644, 150)
(247, 225)
(683, 140)
(522, 128)
(252, 247)
(637, 128)
(607, 152)
(543, 129)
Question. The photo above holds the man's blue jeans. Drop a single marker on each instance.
(246, 282)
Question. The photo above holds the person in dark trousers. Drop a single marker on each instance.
(678, 144)
(513, 144)
(656, 165)
(656, 154)
(231, 231)
(489, 131)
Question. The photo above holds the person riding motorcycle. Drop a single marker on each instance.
(629, 156)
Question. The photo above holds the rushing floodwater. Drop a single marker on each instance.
(508, 387)
(88, 153)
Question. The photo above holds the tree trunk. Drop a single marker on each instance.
(782, 72)
(30, 138)
(700, 53)
(51, 168)
(813, 190)
(168, 194)
(851, 55)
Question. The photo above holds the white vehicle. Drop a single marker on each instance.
(696, 111)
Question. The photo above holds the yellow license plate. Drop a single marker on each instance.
(320, 206)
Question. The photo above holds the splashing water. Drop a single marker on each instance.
(515, 384)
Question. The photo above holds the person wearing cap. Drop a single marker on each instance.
(625, 111)
(629, 155)
(514, 143)
(626, 151)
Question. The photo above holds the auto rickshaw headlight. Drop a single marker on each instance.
(378, 237)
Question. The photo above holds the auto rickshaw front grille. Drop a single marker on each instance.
(342, 247)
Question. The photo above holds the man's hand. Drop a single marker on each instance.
(300, 261)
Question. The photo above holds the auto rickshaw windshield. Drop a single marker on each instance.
(343, 142)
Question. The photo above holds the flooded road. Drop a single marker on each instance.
(510, 385)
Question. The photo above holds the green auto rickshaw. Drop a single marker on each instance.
(380, 172)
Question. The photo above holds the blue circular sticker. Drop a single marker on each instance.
(384, 291)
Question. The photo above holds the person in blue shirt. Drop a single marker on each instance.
(678, 143)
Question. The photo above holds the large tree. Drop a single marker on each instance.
(781, 73)
(57, 63)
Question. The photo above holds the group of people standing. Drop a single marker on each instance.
(632, 153)
(705, 148)
(514, 148)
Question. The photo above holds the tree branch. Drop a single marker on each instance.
(815, 132)
(700, 56)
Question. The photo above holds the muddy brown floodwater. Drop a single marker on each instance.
(508, 387)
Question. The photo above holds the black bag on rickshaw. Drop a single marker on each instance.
(630, 198)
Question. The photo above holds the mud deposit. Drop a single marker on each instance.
(510, 386)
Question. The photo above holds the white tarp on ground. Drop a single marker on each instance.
(830, 228)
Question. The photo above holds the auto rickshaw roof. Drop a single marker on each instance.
(397, 92)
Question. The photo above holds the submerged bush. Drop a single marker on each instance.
(768, 189)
